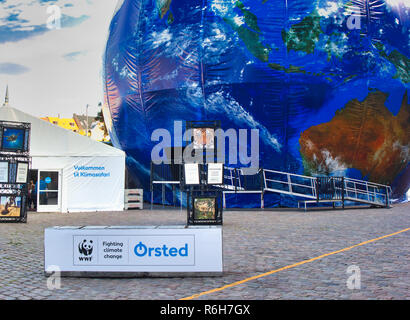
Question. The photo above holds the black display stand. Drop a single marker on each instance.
(204, 199)
(204, 195)
(15, 163)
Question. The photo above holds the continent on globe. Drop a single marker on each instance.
(163, 6)
(249, 33)
(363, 135)
(304, 35)
(400, 61)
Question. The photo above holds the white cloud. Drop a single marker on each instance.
(397, 3)
(54, 84)
(219, 103)
(330, 9)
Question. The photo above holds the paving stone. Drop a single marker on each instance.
(254, 242)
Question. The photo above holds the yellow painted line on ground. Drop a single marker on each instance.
(291, 266)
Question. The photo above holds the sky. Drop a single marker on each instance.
(53, 66)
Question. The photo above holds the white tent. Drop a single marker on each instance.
(89, 175)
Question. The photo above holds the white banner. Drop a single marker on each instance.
(103, 180)
(134, 249)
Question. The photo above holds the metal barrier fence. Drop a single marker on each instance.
(244, 180)
(367, 192)
(166, 176)
(289, 183)
(330, 188)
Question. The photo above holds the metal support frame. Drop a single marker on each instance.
(13, 157)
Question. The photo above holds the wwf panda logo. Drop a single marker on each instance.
(85, 247)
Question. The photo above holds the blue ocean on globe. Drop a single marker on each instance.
(325, 82)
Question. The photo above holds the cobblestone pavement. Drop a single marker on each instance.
(254, 242)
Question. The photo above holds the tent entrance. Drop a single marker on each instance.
(32, 197)
(49, 191)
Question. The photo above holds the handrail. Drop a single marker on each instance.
(320, 188)
(291, 183)
(363, 192)
(369, 182)
(292, 174)
(293, 188)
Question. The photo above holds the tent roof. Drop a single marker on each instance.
(49, 140)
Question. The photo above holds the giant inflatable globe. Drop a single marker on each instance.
(325, 82)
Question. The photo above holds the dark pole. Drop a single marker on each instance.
(387, 197)
(262, 187)
(152, 184)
